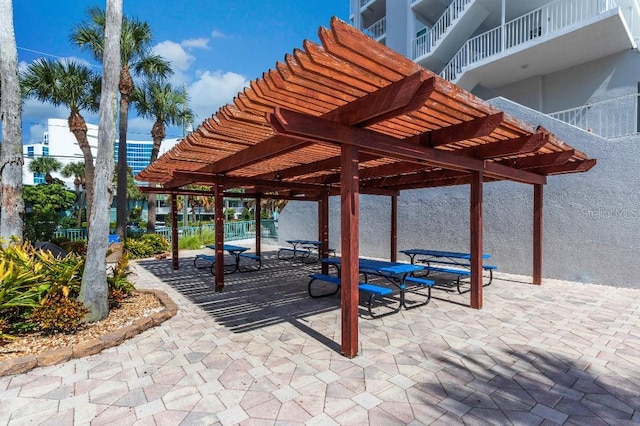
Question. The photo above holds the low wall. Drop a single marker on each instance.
(591, 220)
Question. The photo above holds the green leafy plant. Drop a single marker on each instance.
(119, 285)
(58, 313)
(146, 246)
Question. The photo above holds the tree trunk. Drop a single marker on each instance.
(157, 133)
(12, 212)
(94, 289)
(125, 85)
(78, 127)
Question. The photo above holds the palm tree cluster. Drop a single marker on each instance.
(75, 86)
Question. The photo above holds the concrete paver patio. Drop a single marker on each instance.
(263, 352)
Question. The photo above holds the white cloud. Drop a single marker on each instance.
(217, 34)
(138, 128)
(174, 53)
(200, 43)
(36, 132)
(213, 90)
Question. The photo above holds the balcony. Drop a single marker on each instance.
(557, 36)
(454, 26)
(378, 30)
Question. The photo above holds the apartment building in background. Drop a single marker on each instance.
(576, 60)
(570, 66)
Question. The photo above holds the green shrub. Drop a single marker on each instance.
(119, 285)
(58, 313)
(146, 245)
(192, 242)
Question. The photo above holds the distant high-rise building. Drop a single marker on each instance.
(60, 143)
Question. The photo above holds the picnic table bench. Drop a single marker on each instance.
(302, 250)
(202, 261)
(370, 289)
(399, 275)
(456, 264)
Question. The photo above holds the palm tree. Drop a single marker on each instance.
(74, 86)
(135, 55)
(77, 171)
(12, 205)
(168, 106)
(45, 165)
(94, 288)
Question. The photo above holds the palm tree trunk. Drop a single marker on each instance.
(11, 220)
(126, 87)
(158, 133)
(78, 127)
(94, 288)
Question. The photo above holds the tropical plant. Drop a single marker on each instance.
(76, 87)
(167, 105)
(47, 203)
(76, 170)
(11, 161)
(46, 166)
(120, 287)
(146, 246)
(135, 55)
(94, 289)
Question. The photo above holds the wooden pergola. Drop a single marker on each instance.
(350, 116)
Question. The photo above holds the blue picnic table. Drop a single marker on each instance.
(236, 251)
(400, 275)
(452, 263)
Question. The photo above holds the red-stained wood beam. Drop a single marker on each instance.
(349, 225)
(219, 237)
(414, 178)
(521, 145)
(257, 215)
(231, 181)
(475, 221)
(323, 131)
(539, 160)
(570, 167)
(394, 229)
(323, 228)
(398, 98)
(537, 233)
(476, 128)
(318, 166)
(174, 232)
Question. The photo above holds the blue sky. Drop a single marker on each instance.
(215, 46)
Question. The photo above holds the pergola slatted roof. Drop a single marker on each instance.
(350, 80)
(351, 116)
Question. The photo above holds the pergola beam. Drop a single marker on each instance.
(319, 130)
(476, 128)
(521, 145)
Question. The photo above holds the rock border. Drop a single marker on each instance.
(25, 363)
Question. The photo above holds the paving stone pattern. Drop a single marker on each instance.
(263, 352)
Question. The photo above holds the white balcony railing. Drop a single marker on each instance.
(378, 29)
(424, 43)
(609, 119)
(548, 19)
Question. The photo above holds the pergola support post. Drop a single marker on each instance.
(219, 236)
(174, 232)
(537, 234)
(323, 228)
(476, 239)
(394, 229)
(258, 218)
(349, 211)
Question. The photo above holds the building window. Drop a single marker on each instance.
(30, 152)
(45, 151)
(38, 178)
(46, 139)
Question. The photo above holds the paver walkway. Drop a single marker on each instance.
(263, 352)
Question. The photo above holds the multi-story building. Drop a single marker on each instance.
(570, 66)
(60, 143)
(574, 59)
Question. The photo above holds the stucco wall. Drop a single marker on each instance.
(606, 78)
(591, 220)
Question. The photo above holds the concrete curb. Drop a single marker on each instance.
(25, 363)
